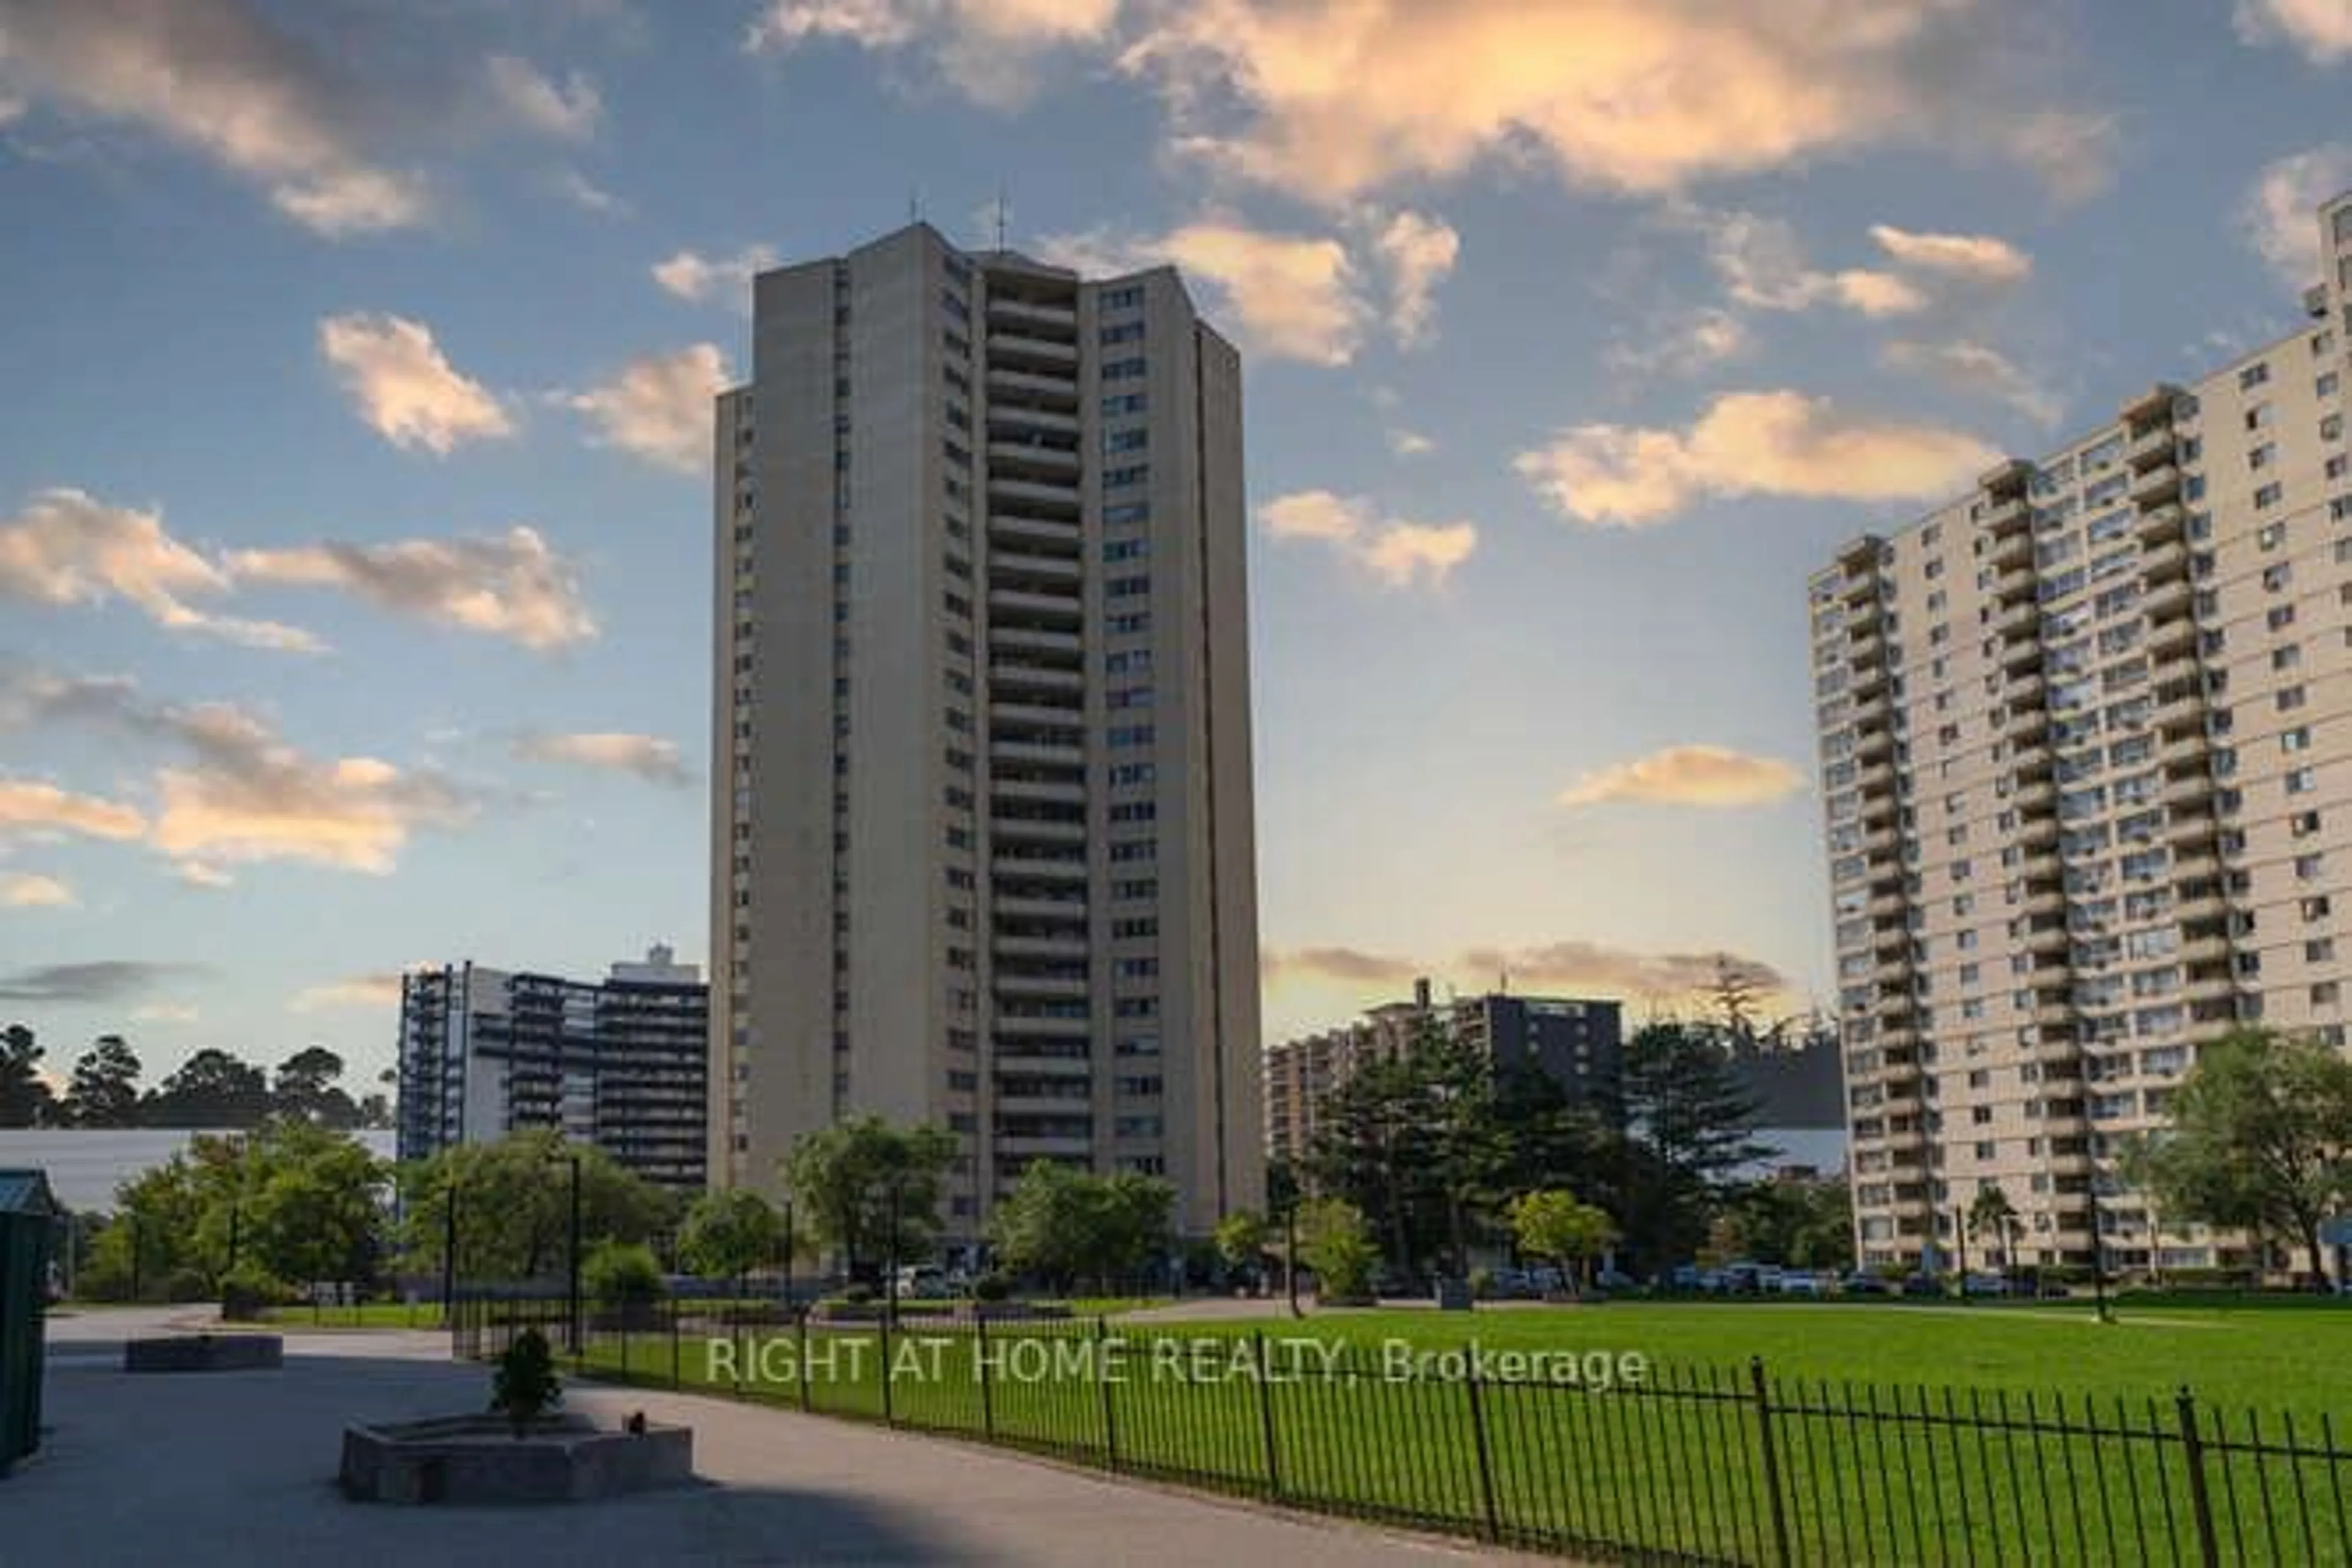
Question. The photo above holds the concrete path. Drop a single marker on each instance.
(237, 1469)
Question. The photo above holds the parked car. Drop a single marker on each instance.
(1984, 1284)
(1684, 1277)
(1861, 1282)
(1922, 1285)
(1796, 1282)
(1615, 1279)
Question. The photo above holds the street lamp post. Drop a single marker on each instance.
(573, 1321)
(789, 1305)
(890, 1280)
(1290, 1254)
(449, 1255)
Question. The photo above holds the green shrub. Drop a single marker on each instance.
(991, 1288)
(1482, 1283)
(859, 1295)
(621, 1274)
(525, 1385)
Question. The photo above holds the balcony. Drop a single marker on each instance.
(2160, 523)
(2190, 789)
(2151, 446)
(2194, 865)
(1030, 312)
(2160, 483)
(2048, 900)
(1003, 415)
(1008, 636)
(2169, 637)
(2013, 550)
(1037, 753)
(2166, 599)
(2182, 713)
(2035, 797)
(1887, 904)
(1004, 829)
(1005, 676)
(2027, 687)
(1056, 985)
(1014, 606)
(1046, 791)
(1052, 389)
(2046, 1014)
(2192, 826)
(2205, 950)
(1032, 491)
(1034, 532)
(2017, 621)
(1022, 351)
(2038, 832)
(2024, 654)
(1061, 947)
(1032, 456)
(2156, 402)
(1010, 1060)
(1038, 906)
(1866, 647)
(1877, 777)
(1042, 866)
(2163, 562)
(2014, 587)
(2050, 938)
(1885, 841)
(1874, 745)
(1869, 680)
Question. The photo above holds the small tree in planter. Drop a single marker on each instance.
(525, 1386)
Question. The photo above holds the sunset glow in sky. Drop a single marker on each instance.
(354, 516)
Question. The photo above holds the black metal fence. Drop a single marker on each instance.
(1686, 1465)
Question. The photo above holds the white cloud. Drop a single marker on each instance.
(512, 585)
(658, 407)
(1396, 552)
(567, 111)
(67, 547)
(1976, 258)
(361, 990)
(1779, 443)
(1688, 775)
(1979, 371)
(1683, 342)
(989, 49)
(34, 808)
(233, 790)
(1417, 254)
(405, 389)
(1406, 443)
(167, 1013)
(225, 80)
(1330, 100)
(587, 194)
(1576, 966)
(196, 874)
(1288, 295)
(1763, 267)
(727, 279)
(648, 757)
(31, 890)
(2281, 211)
(2321, 30)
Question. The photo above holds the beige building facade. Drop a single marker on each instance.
(2086, 759)
(982, 848)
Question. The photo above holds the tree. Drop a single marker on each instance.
(211, 1089)
(305, 1088)
(513, 1206)
(621, 1274)
(728, 1233)
(1802, 1222)
(1735, 995)
(1064, 1226)
(1992, 1213)
(1335, 1242)
(843, 1178)
(2261, 1136)
(1689, 1120)
(26, 1099)
(1552, 1222)
(298, 1201)
(1241, 1239)
(104, 1091)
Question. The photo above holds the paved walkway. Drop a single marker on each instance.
(238, 1468)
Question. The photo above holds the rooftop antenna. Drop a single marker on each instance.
(915, 204)
(1001, 215)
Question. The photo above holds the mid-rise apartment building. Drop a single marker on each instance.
(2086, 755)
(619, 1063)
(982, 848)
(1577, 1043)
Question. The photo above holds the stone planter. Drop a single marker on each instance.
(478, 1459)
(206, 1352)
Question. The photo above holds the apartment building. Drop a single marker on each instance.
(1577, 1043)
(2086, 755)
(982, 848)
(619, 1063)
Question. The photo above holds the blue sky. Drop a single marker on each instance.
(354, 512)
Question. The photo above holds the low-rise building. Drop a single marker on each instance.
(619, 1063)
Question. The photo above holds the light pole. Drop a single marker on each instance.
(449, 1255)
(789, 1305)
(574, 1319)
(1290, 1254)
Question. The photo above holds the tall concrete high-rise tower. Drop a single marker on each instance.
(2086, 756)
(982, 847)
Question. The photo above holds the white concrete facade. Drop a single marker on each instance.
(2086, 758)
(982, 848)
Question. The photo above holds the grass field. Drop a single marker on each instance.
(1898, 1433)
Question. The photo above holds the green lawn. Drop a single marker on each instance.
(366, 1315)
(1900, 1434)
